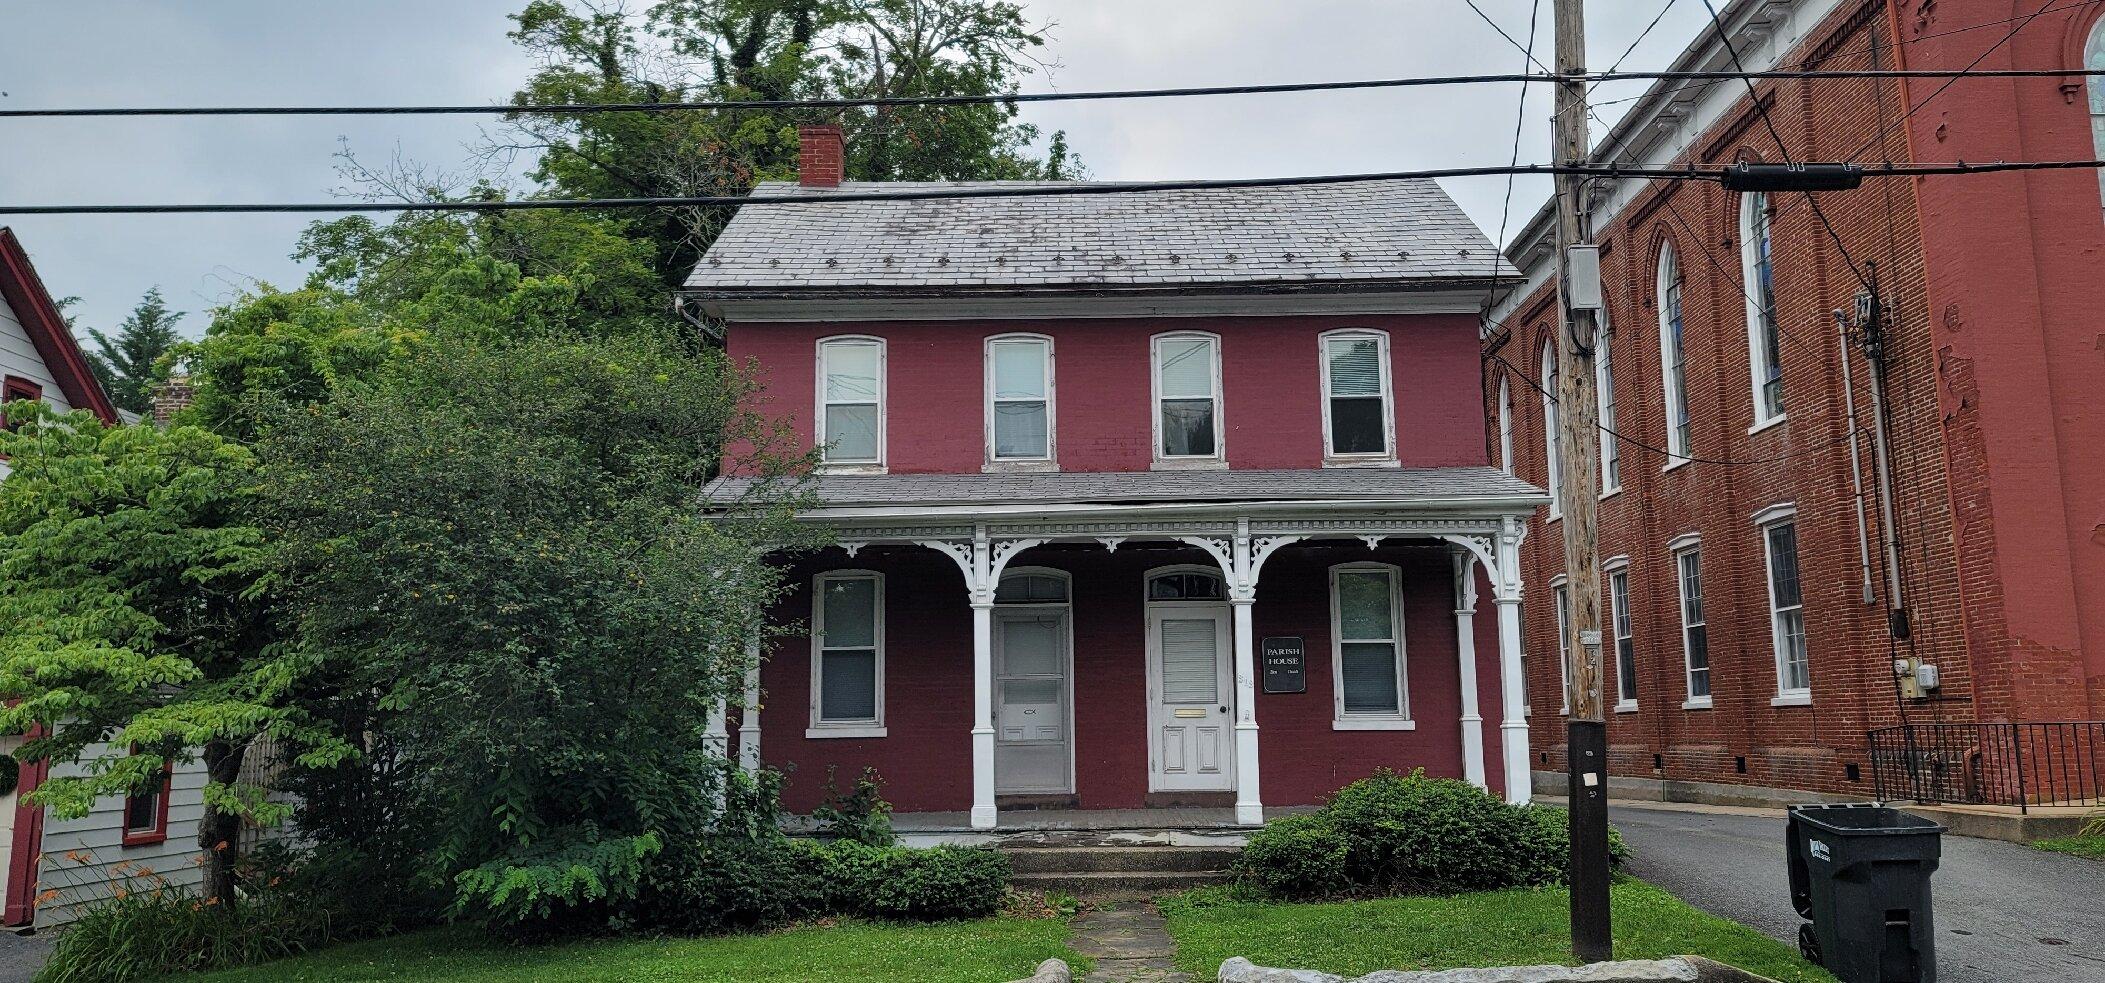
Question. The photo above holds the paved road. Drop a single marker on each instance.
(2004, 912)
(21, 956)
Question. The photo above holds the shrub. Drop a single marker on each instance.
(741, 884)
(904, 883)
(150, 934)
(1393, 834)
(861, 815)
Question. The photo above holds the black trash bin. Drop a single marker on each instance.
(1861, 873)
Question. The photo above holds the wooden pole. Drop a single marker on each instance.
(1579, 444)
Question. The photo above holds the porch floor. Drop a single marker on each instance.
(1082, 827)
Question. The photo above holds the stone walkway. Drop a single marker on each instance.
(1130, 943)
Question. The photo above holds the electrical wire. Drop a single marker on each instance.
(1520, 119)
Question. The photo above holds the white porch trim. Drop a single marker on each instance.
(1465, 654)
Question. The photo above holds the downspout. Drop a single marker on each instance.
(1856, 466)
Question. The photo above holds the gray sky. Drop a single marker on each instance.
(225, 52)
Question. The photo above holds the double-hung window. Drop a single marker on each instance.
(1625, 638)
(1673, 357)
(1358, 424)
(1187, 400)
(1019, 400)
(1366, 612)
(1552, 467)
(1764, 342)
(851, 403)
(847, 655)
(1695, 635)
(1563, 647)
(1794, 682)
(1604, 388)
(1505, 424)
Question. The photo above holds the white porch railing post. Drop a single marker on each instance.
(981, 583)
(1513, 730)
(1465, 653)
(749, 718)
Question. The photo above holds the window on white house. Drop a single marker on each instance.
(1505, 424)
(1552, 467)
(1019, 399)
(1367, 648)
(1187, 397)
(1787, 610)
(1356, 414)
(1604, 385)
(1625, 639)
(2094, 59)
(1764, 342)
(1673, 356)
(847, 670)
(1695, 635)
(1564, 648)
(851, 396)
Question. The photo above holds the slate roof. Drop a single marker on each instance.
(1127, 487)
(1396, 234)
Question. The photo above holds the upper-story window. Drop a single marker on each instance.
(1187, 399)
(1604, 394)
(1552, 467)
(1358, 423)
(1764, 342)
(1673, 357)
(2094, 59)
(851, 403)
(1019, 400)
(1505, 424)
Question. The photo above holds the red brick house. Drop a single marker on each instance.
(1170, 498)
(1747, 575)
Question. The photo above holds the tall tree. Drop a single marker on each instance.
(128, 366)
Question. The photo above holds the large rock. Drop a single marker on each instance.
(1681, 969)
(1050, 971)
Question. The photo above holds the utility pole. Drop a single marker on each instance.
(1579, 444)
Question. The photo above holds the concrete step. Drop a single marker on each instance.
(1120, 859)
(1098, 884)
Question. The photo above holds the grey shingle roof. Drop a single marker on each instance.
(1106, 488)
(1400, 233)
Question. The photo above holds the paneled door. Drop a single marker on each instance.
(1032, 743)
(1191, 720)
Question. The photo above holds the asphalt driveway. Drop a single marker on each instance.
(2003, 911)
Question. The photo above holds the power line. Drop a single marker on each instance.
(1022, 190)
(1520, 118)
(1640, 39)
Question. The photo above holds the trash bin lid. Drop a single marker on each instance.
(1863, 819)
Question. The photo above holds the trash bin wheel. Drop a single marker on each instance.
(1808, 946)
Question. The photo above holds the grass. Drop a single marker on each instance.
(956, 952)
(1492, 928)
(2077, 846)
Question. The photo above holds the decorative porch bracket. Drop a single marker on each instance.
(982, 561)
(1242, 560)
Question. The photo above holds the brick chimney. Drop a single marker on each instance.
(170, 398)
(820, 163)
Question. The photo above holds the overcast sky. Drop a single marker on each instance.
(246, 52)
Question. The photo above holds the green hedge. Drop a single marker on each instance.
(740, 884)
(1393, 834)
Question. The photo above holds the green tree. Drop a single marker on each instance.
(132, 617)
(128, 365)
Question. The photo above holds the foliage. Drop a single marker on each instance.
(275, 348)
(1512, 927)
(894, 882)
(1392, 834)
(861, 815)
(2089, 845)
(150, 928)
(128, 365)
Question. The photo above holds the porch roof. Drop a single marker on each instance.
(1452, 487)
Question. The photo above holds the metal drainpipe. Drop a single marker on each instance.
(1856, 467)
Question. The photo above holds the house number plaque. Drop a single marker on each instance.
(1285, 665)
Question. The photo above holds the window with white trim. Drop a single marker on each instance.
(1366, 617)
(1564, 648)
(1505, 424)
(1695, 634)
(1550, 439)
(1787, 609)
(1673, 355)
(1625, 638)
(2094, 59)
(1604, 393)
(1019, 399)
(847, 654)
(850, 425)
(1764, 341)
(1187, 369)
(1358, 422)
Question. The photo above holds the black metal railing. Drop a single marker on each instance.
(2012, 764)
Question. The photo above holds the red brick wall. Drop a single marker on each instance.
(1272, 391)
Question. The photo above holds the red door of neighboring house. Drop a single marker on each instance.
(21, 840)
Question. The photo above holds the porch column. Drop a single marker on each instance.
(1465, 653)
(1513, 731)
(1249, 804)
(980, 582)
(749, 720)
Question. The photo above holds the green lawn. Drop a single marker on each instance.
(1516, 927)
(960, 952)
(2080, 846)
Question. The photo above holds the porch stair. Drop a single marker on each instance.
(1100, 871)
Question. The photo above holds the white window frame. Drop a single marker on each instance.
(1680, 546)
(1758, 367)
(1604, 408)
(845, 728)
(1766, 521)
(2094, 59)
(1552, 469)
(1388, 454)
(1617, 570)
(1561, 600)
(1341, 720)
(1672, 298)
(1164, 462)
(1505, 423)
(995, 462)
(820, 402)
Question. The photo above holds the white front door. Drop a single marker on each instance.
(1191, 732)
(1031, 702)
